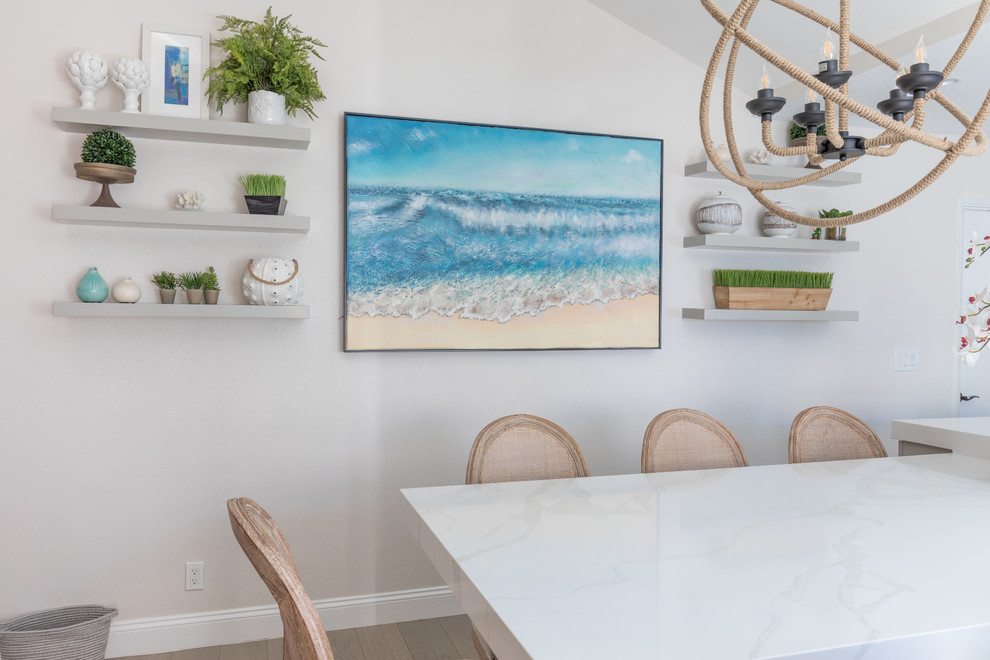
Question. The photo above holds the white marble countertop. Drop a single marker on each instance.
(962, 435)
(883, 559)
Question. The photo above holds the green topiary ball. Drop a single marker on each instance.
(108, 146)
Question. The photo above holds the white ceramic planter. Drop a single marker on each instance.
(266, 108)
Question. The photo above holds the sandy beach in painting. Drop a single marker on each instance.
(633, 323)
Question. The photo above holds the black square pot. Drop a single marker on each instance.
(265, 204)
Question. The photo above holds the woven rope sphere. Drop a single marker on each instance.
(895, 133)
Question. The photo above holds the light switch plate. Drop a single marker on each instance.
(905, 359)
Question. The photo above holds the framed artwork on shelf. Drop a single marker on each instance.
(176, 57)
(478, 237)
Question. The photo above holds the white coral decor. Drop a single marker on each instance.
(189, 201)
(88, 72)
(131, 75)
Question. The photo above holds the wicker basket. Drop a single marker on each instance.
(67, 633)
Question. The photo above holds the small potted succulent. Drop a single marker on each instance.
(211, 287)
(834, 233)
(193, 284)
(107, 157)
(264, 193)
(166, 283)
(266, 66)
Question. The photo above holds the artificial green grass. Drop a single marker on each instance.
(272, 185)
(797, 279)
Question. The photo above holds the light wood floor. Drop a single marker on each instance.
(448, 638)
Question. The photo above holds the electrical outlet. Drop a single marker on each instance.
(195, 577)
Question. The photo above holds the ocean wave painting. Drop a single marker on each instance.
(465, 236)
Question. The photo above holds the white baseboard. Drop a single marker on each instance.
(248, 624)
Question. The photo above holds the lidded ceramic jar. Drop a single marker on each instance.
(719, 214)
(774, 225)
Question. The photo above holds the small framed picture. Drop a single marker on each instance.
(176, 57)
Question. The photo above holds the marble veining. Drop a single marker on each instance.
(868, 559)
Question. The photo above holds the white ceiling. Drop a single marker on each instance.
(894, 26)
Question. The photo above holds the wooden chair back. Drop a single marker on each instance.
(822, 433)
(523, 448)
(269, 553)
(685, 439)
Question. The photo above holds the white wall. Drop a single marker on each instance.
(121, 439)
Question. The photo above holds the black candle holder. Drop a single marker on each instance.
(766, 105)
(920, 80)
(899, 103)
(828, 73)
(853, 146)
(811, 118)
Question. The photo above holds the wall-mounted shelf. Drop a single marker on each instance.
(767, 243)
(705, 170)
(164, 219)
(159, 127)
(155, 310)
(766, 315)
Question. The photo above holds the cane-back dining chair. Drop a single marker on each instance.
(685, 439)
(266, 548)
(521, 448)
(822, 433)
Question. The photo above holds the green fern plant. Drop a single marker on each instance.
(272, 55)
(795, 279)
(108, 146)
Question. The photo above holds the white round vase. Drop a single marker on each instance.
(272, 281)
(719, 214)
(266, 107)
(127, 291)
(774, 225)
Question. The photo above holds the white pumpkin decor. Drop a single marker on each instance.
(272, 281)
(719, 214)
(774, 225)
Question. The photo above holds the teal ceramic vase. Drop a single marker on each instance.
(92, 287)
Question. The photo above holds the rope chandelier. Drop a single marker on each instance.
(906, 104)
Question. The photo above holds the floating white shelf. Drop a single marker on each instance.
(141, 125)
(165, 219)
(766, 315)
(148, 310)
(767, 243)
(706, 170)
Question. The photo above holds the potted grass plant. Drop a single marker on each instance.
(771, 289)
(193, 284)
(211, 287)
(107, 157)
(267, 66)
(264, 193)
(166, 283)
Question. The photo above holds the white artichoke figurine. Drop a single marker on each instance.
(88, 72)
(131, 75)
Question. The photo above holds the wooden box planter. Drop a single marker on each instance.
(744, 297)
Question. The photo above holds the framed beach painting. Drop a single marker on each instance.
(476, 237)
(176, 59)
